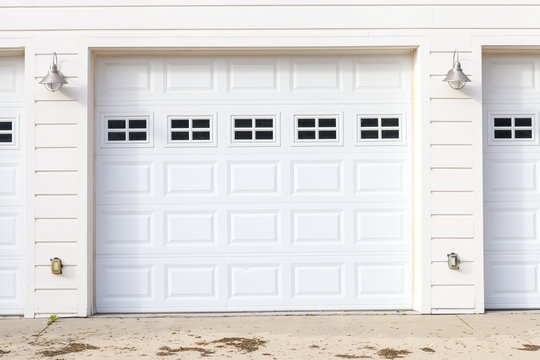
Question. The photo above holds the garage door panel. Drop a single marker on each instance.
(514, 281)
(512, 229)
(11, 291)
(247, 223)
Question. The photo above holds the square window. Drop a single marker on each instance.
(317, 130)
(127, 130)
(516, 129)
(383, 129)
(191, 130)
(254, 130)
(7, 133)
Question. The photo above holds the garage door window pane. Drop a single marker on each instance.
(128, 130)
(201, 123)
(512, 129)
(255, 129)
(317, 130)
(523, 122)
(7, 133)
(523, 134)
(180, 123)
(379, 128)
(201, 135)
(243, 135)
(191, 130)
(503, 134)
(117, 136)
(243, 123)
(180, 135)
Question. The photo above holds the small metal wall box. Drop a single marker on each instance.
(453, 261)
(56, 266)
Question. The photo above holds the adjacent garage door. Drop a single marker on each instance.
(511, 175)
(11, 186)
(237, 183)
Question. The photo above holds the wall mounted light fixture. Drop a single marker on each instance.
(455, 76)
(54, 80)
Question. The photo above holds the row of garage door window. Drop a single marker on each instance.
(261, 129)
(253, 129)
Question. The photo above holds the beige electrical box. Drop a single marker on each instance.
(56, 266)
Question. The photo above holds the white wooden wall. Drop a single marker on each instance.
(448, 134)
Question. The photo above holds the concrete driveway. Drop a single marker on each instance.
(323, 336)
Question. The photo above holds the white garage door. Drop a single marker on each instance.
(11, 186)
(253, 183)
(511, 173)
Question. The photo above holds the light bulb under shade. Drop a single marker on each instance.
(456, 84)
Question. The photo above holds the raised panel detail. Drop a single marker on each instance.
(9, 281)
(8, 180)
(190, 76)
(508, 76)
(377, 76)
(125, 228)
(379, 177)
(318, 280)
(319, 226)
(185, 281)
(380, 279)
(512, 278)
(379, 226)
(511, 175)
(190, 178)
(254, 178)
(8, 77)
(511, 226)
(316, 75)
(254, 227)
(254, 280)
(190, 228)
(253, 76)
(313, 177)
(127, 282)
(126, 179)
(8, 229)
(132, 77)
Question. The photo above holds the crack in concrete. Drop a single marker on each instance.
(470, 327)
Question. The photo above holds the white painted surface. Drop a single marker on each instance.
(264, 226)
(11, 185)
(512, 198)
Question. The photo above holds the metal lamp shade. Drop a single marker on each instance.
(54, 80)
(456, 78)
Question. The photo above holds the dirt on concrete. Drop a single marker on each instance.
(242, 337)
(68, 349)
